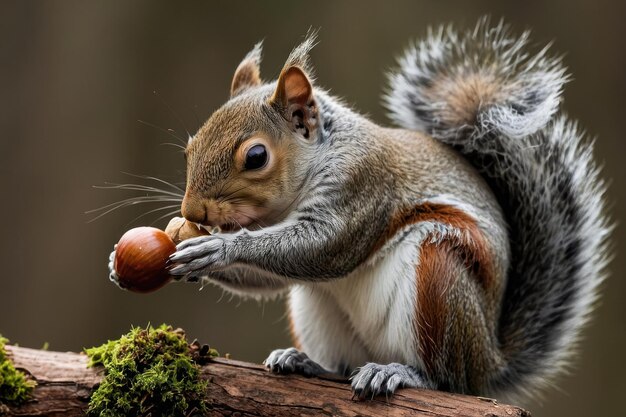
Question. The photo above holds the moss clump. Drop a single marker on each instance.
(148, 371)
(14, 387)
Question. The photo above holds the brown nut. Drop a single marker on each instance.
(180, 229)
(141, 259)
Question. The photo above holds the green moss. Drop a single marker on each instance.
(14, 387)
(149, 371)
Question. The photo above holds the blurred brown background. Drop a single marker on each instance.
(76, 76)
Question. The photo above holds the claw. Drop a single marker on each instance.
(178, 270)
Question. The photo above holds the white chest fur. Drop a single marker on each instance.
(379, 301)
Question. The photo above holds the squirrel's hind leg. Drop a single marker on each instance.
(320, 329)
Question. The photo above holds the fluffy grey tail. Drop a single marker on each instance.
(484, 95)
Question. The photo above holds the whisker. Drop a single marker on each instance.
(167, 131)
(235, 221)
(151, 178)
(180, 120)
(237, 200)
(236, 191)
(258, 221)
(230, 193)
(156, 210)
(135, 200)
(119, 205)
(171, 213)
(163, 192)
(139, 187)
(194, 110)
(176, 145)
(297, 197)
(222, 190)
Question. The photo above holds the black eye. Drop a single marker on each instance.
(256, 157)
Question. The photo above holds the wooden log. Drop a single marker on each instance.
(243, 389)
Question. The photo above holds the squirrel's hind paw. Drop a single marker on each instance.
(292, 361)
(374, 379)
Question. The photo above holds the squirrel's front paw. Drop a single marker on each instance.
(112, 273)
(196, 257)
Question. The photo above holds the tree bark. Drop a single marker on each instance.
(64, 384)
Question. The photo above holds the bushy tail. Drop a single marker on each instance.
(483, 94)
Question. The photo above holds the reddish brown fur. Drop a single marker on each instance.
(438, 267)
(464, 94)
(435, 274)
(472, 248)
(292, 330)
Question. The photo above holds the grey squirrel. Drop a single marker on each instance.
(461, 251)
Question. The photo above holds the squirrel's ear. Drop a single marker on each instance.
(294, 99)
(248, 73)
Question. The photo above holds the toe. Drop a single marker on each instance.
(272, 358)
(392, 384)
(288, 365)
(192, 242)
(361, 381)
(373, 379)
(377, 382)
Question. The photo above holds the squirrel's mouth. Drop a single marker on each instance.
(230, 227)
(223, 228)
(232, 223)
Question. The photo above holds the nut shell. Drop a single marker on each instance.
(141, 259)
(180, 229)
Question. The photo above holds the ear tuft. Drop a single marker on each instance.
(248, 73)
(293, 96)
(299, 57)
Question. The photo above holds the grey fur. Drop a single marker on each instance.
(320, 238)
(544, 177)
(527, 95)
(288, 361)
(373, 379)
(256, 54)
(299, 57)
(481, 94)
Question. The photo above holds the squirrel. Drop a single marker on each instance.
(460, 251)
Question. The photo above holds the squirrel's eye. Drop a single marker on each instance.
(256, 157)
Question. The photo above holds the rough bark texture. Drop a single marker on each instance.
(242, 389)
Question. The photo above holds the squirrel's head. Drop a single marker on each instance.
(246, 165)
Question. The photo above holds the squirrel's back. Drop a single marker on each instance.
(483, 94)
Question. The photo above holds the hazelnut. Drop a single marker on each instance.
(141, 259)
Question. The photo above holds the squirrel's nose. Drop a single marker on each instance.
(194, 209)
